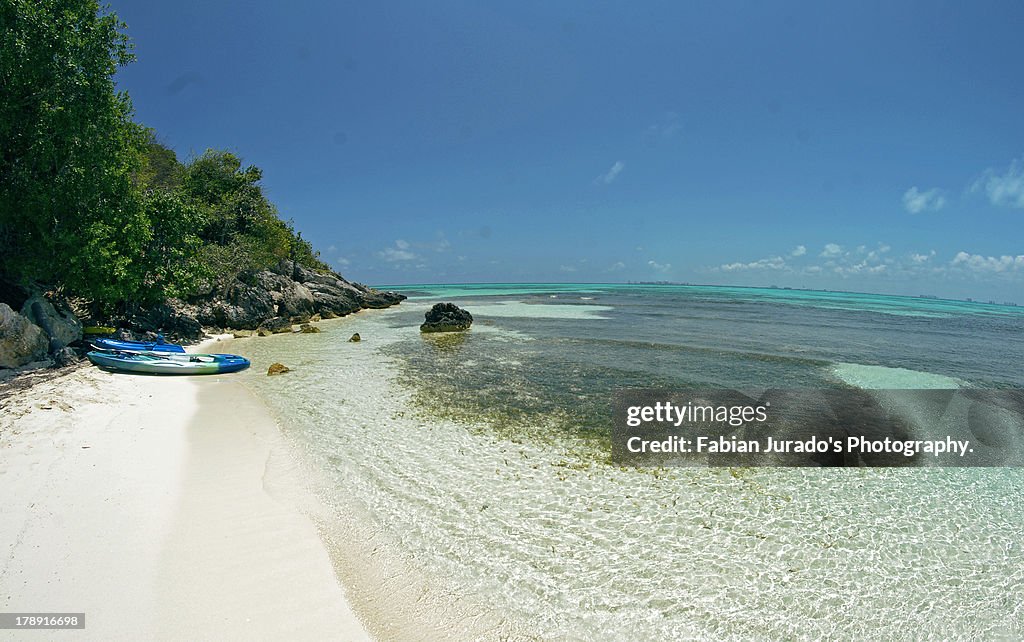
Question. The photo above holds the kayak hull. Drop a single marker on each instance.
(137, 346)
(168, 364)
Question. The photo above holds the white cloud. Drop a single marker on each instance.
(918, 259)
(341, 260)
(831, 249)
(392, 255)
(859, 268)
(876, 254)
(916, 201)
(771, 263)
(1005, 189)
(612, 173)
(615, 267)
(660, 267)
(800, 250)
(397, 254)
(667, 127)
(567, 268)
(980, 263)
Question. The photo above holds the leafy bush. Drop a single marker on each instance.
(90, 201)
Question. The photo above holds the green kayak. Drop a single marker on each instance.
(168, 363)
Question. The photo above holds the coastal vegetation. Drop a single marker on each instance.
(101, 222)
(92, 205)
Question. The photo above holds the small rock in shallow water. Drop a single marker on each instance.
(277, 325)
(355, 338)
(305, 328)
(277, 368)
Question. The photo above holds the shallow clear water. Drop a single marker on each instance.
(478, 464)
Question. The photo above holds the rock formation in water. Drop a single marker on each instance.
(446, 317)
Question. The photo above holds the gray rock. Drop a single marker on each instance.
(375, 299)
(173, 318)
(277, 325)
(446, 317)
(287, 290)
(61, 326)
(65, 357)
(296, 301)
(21, 341)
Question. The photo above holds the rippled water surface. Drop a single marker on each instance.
(477, 464)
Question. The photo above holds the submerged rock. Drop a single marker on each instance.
(446, 343)
(355, 338)
(446, 317)
(21, 341)
(306, 328)
(277, 368)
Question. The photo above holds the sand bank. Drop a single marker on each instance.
(161, 508)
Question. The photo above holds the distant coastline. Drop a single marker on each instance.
(538, 284)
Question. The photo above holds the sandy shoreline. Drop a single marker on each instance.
(156, 506)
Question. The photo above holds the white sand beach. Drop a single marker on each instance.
(156, 507)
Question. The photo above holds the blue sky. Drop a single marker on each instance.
(871, 146)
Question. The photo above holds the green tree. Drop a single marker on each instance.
(241, 230)
(171, 261)
(160, 166)
(70, 211)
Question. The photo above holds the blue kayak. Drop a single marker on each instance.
(168, 363)
(137, 346)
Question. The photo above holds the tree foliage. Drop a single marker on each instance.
(69, 147)
(89, 200)
(241, 230)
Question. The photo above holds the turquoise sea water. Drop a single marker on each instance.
(471, 491)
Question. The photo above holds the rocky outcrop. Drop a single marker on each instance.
(241, 306)
(306, 328)
(289, 291)
(61, 326)
(174, 318)
(268, 302)
(355, 338)
(21, 341)
(446, 317)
